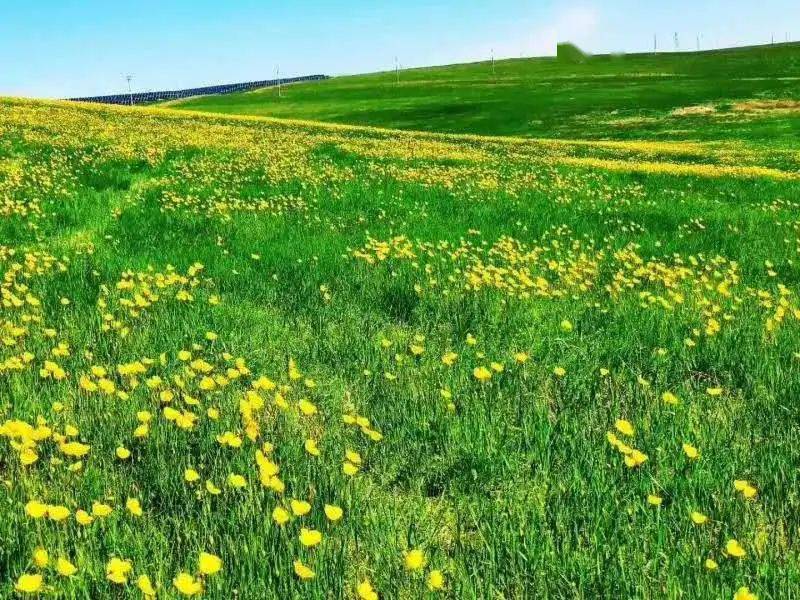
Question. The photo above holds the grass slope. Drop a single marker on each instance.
(534, 367)
(607, 96)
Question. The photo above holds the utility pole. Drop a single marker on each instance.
(675, 39)
(130, 92)
(278, 77)
(655, 43)
(698, 42)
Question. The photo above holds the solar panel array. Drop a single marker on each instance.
(148, 97)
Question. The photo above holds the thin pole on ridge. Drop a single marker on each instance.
(130, 92)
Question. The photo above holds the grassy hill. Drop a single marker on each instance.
(351, 362)
(637, 95)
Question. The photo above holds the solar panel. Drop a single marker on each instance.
(146, 97)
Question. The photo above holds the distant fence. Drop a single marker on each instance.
(147, 97)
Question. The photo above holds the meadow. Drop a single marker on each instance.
(665, 96)
(252, 358)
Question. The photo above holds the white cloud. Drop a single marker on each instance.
(576, 24)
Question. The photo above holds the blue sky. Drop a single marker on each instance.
(60, 48)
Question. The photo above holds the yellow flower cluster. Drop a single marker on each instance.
(136, 293)
(707, 290)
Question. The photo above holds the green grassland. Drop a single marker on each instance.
(557, 368)
(616, 97)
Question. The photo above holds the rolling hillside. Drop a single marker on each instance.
(251, 358)
(673, 96)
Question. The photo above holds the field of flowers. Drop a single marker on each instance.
(252, 358)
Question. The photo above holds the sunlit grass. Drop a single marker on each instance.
(255, 359)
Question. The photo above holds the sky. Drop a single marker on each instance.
(66, 48)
